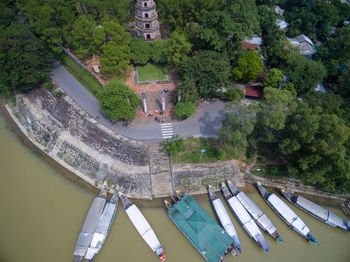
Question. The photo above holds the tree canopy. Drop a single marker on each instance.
(118, 101)
(248, 67)
(178, 49)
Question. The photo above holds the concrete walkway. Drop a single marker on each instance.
(205, 123)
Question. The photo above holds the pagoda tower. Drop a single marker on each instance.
(147, 26)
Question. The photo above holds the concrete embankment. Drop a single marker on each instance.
(71, 138)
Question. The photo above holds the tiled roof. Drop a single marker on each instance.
(254, 92)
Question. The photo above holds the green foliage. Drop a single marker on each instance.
(24, 60)
(8, 12)
(142, 51)
(188, 91)
(236, 130)
(248, 67)
(209, 70)
(314, 145)
(48, 86)
(178, 48)
(58, 94)
(305, 74)
(118, 101)
(234, 94)
(273, 78)
(184, 109)
(174, 145)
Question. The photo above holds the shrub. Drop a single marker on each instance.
(234, 94)
(58, 94)
(174, 145)
(185, 109)
(48, 86)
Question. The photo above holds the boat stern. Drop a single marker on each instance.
(312, 239)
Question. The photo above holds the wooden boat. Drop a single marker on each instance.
(245, 219)
(287, 214)
(211, 240)
(255, 212)
(103, 226)
(90, 223)
(142, 226)
(316, 211)
(224, 218)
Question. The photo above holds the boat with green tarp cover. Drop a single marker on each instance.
(211, 240)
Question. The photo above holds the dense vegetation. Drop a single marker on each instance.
(309, 130)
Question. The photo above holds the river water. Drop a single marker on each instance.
(42, 213)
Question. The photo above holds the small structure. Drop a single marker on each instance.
(96, 64)
(279, 10)
(147, 26)
(283, 25)
(251, 43)
(305, 45)
(253, 92)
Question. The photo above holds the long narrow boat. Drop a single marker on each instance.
(255, 212)
(245, 219)
(316, 211)
(142, 226)
(287, 214)
(103, 226)
(90, 223)
(211, 240)
(224, 218)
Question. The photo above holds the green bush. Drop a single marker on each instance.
(174, 145)
(234, 94)
(185, 109)
(58, 94)
(48, 86)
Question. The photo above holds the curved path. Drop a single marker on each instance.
(205, 123)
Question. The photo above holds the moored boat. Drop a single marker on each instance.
(211, 240)
(224, 218)
(316, 211)
(245, 219)
(255, 212)
(287, 214)
(90, 223)
(142, 226)
(103, 226)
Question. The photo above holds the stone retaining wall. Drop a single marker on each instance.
(68, 135)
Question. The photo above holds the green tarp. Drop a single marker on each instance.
(208, 237)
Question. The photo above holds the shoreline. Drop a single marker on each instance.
(243, 181)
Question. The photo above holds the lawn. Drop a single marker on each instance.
(192, 152)
(150, 72)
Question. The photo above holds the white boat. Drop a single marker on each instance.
(224, 218)
(255, 212)
(287, 214)
(90, 223)
(142, 226)
(245, 219)
(103, 227)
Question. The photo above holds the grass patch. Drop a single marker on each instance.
(192, 153)
(81, 75)
(150, 72)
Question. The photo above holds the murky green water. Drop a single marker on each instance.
(42, 213)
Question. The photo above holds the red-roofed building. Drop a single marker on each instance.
(253, 92)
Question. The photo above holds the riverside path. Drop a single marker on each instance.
(205, 123)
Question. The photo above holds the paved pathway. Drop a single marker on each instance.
(205, 123)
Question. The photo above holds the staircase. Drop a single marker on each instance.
(161, 177)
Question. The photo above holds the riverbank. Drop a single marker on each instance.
(87, 153)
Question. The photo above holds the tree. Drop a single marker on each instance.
(178, 48)
(8, 12)
(273, 78)
(209, 70)
(24, 60)
(140, 51)
(314, 146)
(274, 111)
(188, 91)
(159, 51)
(184, 109)
(248, 67)
(305, 74)
(234, 94)
(82, 35)
(118, 101)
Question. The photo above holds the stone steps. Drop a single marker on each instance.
(161, 178)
